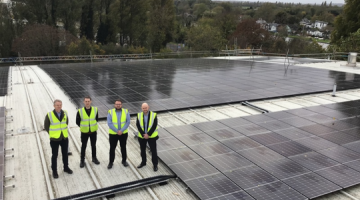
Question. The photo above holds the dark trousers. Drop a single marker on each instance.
(55, 150)
(113, 140)
(84, 140)
(152, 144)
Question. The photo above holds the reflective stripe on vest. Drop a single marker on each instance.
(88, 124)
(140, 117)
(57, 126)
(113, 115)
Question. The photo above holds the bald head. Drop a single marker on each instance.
(145, 108)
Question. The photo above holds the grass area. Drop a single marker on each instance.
(315, 39)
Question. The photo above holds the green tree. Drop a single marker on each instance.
(281, 17)
(42, 40)
(348, 22)
(205, 37)
(83, 47)
(266, 12)
(87, 21)
(7, 32)
(161, 18)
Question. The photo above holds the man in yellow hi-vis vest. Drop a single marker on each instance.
(87, 118)
(146, 124)
(118, 120)
(55, 124)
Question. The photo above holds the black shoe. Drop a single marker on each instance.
(96, 161)
(82, 164)
(155, 168)
(141, 165)
(55, 174)
(68, 170)
(69, 153)
(110, 165)
(125, 164)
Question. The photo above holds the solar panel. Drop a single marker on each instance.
(341, 175)
(228, 161)
(312, 185)
(284, 168)
(290, 148)
(275, 191)
(193, 169)
(340, 154)
(178, 155)
(214, 81)
(210, 149)
(250, 176)
(316, 143)
(223, 134)
(269, 138)
(240, 143)
(314, 161)
(213, 186)
(261, 155)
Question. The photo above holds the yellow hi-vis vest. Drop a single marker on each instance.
(56, 127)
(124, 113)
(140, 117)
(88, 124)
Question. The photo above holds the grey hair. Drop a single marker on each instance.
(57, 100)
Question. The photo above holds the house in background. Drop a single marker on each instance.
(320, 24)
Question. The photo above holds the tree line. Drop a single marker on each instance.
(75, 27)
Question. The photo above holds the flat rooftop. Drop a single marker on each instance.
(31, 88)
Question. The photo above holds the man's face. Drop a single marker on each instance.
(118, 105)
(145, 108)
(87, 102)
(58, 106)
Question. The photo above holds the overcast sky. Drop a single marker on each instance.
(294, 1)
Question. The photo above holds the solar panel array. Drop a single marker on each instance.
(2, 153)
(3, 80)
(184, 83)
(294, 154)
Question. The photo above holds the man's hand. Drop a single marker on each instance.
(119, 132)
(146, 136)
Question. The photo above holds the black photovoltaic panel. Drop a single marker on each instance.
(240, 143)
(294, 133)
(210, 81)
(4, 71)
(313, 159)
(210, 149)
(316, 143)
(228, 161)
(235, 196)
(318, 129)
(275, 191)
(290, 148)
(213, 186)
(261, 155)
(250, 176)
(223, 134)
(195, 139)
(297, 121)
(341, 175)
(183, 130)
(269, 138)
(193, 169)
(312, 185)
(284, 168)
(339, 137)
(275, 125)
(178, 155)
(250, 129)
(341, 154)
(164, 144)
